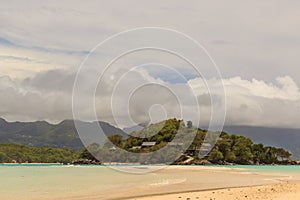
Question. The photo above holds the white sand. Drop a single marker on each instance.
(274, 192)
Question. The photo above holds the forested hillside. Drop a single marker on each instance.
(228, 149)
(43, 134)
(20, 154)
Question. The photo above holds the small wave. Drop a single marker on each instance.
(168, 182)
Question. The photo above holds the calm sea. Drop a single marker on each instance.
(37, 181)
(250, 168)
(286, 169)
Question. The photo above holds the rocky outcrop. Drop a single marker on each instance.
(85, 162)
(201, 162)
(289, 162)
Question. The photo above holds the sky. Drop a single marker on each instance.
(254, 44)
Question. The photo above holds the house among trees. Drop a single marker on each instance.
(136, 147)
(206, 147)
(113, 149)
(148, 144)
(176, 143)
(192, 152)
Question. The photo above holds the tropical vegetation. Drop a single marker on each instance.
(227, 149)
(24, 154)
(173, 138)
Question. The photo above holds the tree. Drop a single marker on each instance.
(258, 153)
(270, 155)
(283, 154)
(224, 146)
(3, 158)
(90, 151)
(116, 139)
(242, 150)
(230, 156)
(189, 124)
(215, 156)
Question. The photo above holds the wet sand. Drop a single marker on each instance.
(196, 182)
(267, 186)
(268, 192)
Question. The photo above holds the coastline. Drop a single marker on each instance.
(281, 186)
(172, 182)
(215, 179)
(274, 191)
(138, 164)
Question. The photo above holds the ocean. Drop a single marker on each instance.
(53, 181)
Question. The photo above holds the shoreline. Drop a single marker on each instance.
(106, 183)
(185, 192)
(232, 179)
(138, 164)
(279, 191)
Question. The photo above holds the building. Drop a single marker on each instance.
(203, 150)
(136, 147)
(148, 144)
(113, 149)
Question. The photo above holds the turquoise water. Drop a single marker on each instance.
(251, 168)
(29, 165)
(293, 169)
(25, 181)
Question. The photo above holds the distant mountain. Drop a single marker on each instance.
(64, 134)
(279, 137)
(42, 133)
(133, 128)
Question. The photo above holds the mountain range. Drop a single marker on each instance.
(64, 134)
(42, 133)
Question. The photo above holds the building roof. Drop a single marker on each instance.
(136, 147)
(176, 143)
(206, 145)
(205, 149)
(113, 148)
(148, 144)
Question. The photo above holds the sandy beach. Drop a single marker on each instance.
(268, 192)
(200, 182)
(278, 186)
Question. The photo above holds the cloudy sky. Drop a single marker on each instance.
(255, 44)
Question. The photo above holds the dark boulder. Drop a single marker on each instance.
(85, 162)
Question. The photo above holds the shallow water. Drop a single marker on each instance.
(286, 169)
(52, 181)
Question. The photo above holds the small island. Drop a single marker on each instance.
(228, 149)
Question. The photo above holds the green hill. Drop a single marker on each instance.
(21, 154)
(228, 149)
(44, 134)
(172, 133)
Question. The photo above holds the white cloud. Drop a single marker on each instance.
(252, 102)
(49, 40)
(286, 88)
(258, 102)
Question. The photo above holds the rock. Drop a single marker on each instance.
(85, 162)
(250, 162)
(202, 162)
(228, 163)
(288, 162)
